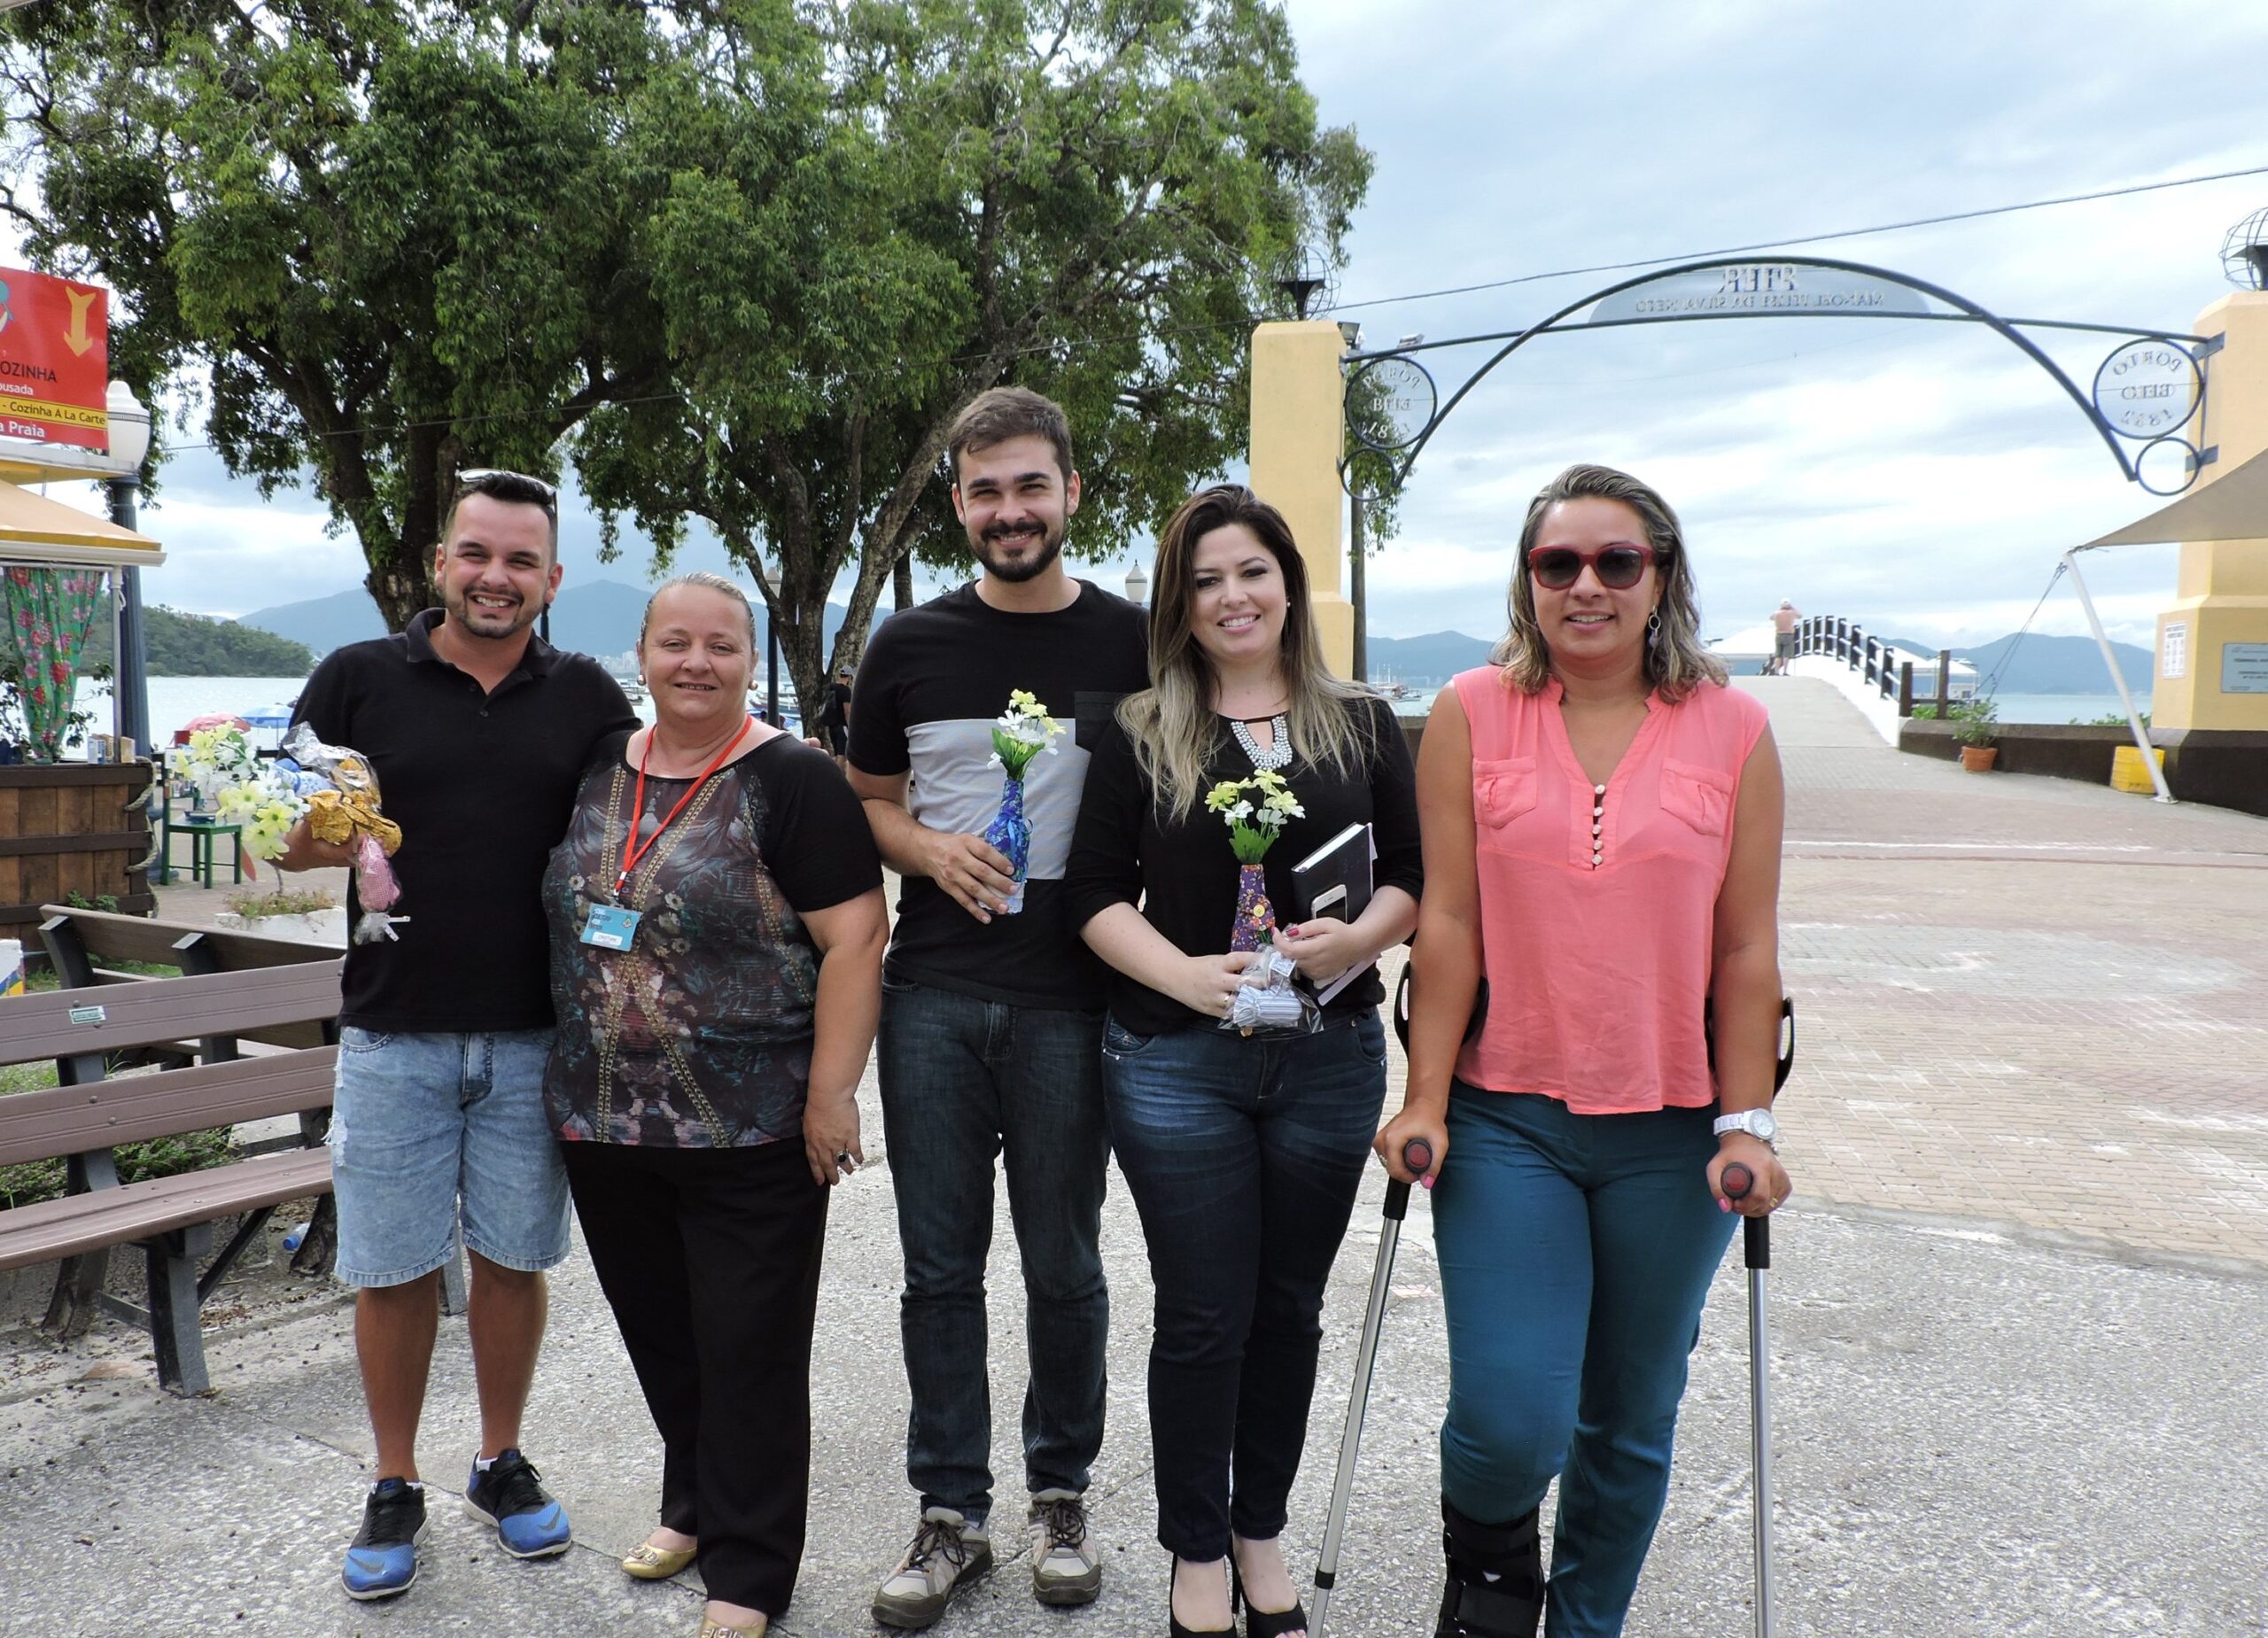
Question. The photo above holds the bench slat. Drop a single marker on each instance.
(57, 1121)
(84, 1222)
(109, 937)
(33, 1026)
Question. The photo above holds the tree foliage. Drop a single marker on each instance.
(385, 241)
(746, 258)
(198, 645)
(891, 207)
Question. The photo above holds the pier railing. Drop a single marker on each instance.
(1881, 667)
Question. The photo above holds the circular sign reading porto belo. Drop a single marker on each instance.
(2147, 389)
(1390, 401)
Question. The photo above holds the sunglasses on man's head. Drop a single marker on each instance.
(474, 476)
(1620, 566)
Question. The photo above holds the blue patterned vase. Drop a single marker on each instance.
(1011, 832)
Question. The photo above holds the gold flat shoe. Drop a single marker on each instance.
(649, 1563)
(712, 1628)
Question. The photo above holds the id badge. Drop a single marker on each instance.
(610, 927)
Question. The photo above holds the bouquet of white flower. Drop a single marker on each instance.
(1018, 734)
(1256, 811)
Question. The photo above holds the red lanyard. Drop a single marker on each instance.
(632, 850)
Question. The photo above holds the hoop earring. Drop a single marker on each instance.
(1653, 628)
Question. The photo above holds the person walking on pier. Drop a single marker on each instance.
(1602, 820)
(1784, 620)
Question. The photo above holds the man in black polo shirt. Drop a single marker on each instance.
(992, 1028)
(479, 731)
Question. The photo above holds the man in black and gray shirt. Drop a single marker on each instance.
(991, 1029)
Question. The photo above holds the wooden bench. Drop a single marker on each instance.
(82, 1119)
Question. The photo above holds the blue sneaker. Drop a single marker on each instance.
(383, 1561)
(509, 1494)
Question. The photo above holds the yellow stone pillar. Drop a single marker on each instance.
(1298, 430)
(2221, 590)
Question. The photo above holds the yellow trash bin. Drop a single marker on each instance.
(2127, 772)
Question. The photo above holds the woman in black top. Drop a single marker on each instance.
(717, 933)
(1243, 1149)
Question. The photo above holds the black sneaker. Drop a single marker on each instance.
(383, 1561)
(511, 1495)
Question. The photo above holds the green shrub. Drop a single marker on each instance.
(1977, 721)
(1925, 713)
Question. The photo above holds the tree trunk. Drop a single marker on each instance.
(400, 594)
(901, 583)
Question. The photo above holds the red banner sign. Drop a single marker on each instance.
(54, 361)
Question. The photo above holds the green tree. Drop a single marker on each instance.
(381, 240)
(874, 211)
(199, 645)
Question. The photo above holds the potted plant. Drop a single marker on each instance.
(312, 917)
(1975, 728)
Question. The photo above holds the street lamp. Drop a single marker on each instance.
(1138, 585)
(129, 447)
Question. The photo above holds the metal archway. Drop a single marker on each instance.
(1786, 302)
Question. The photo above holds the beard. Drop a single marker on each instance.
(1017, 571)
(491, 623)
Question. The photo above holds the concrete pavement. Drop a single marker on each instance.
(2021, 1312)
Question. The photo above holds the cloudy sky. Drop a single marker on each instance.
(1919, 477)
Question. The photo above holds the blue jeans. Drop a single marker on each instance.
(963, 1081)
(1243, 1156)
(427, 1129)
(1576, 1252)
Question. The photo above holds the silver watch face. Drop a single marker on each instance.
(1762, 1125)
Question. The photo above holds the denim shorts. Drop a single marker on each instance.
(430, 1130)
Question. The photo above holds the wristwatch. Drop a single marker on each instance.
(1758, 1123)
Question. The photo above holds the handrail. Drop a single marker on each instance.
(1839, 639)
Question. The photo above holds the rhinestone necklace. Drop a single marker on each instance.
(1276, 753)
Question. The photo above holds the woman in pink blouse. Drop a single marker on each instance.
(1602, 818)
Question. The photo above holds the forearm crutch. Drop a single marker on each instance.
(1417, 1155)
(1756, 1251)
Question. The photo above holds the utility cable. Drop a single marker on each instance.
(1808, 238)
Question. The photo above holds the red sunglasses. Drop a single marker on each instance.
(1620, 566)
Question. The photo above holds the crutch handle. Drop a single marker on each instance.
(1417, 1155)
(1756, 1232)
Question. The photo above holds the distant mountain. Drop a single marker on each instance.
(322, 623)
(589, 617)
(1423, 662)
(198, 645)
(2048, 664)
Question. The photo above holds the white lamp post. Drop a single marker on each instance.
(1138, 585)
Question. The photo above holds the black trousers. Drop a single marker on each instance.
(710, 1259)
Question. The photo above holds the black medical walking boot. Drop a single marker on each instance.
(1495, 1586)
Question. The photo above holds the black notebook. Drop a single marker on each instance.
(1335, 881)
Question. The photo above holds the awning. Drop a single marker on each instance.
(49, 534)
(2232, 506)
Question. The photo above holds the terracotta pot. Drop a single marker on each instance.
(1979, 758)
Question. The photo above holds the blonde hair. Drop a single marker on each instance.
(1172, 722)
(705, 581)
(1675, 661)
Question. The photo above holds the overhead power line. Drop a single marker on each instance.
(1808, 238)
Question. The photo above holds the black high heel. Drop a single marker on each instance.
(1259, 1623)
(1174, 1628)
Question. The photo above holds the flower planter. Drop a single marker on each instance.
(65, 828)
(317, 927)
(1979, 758)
